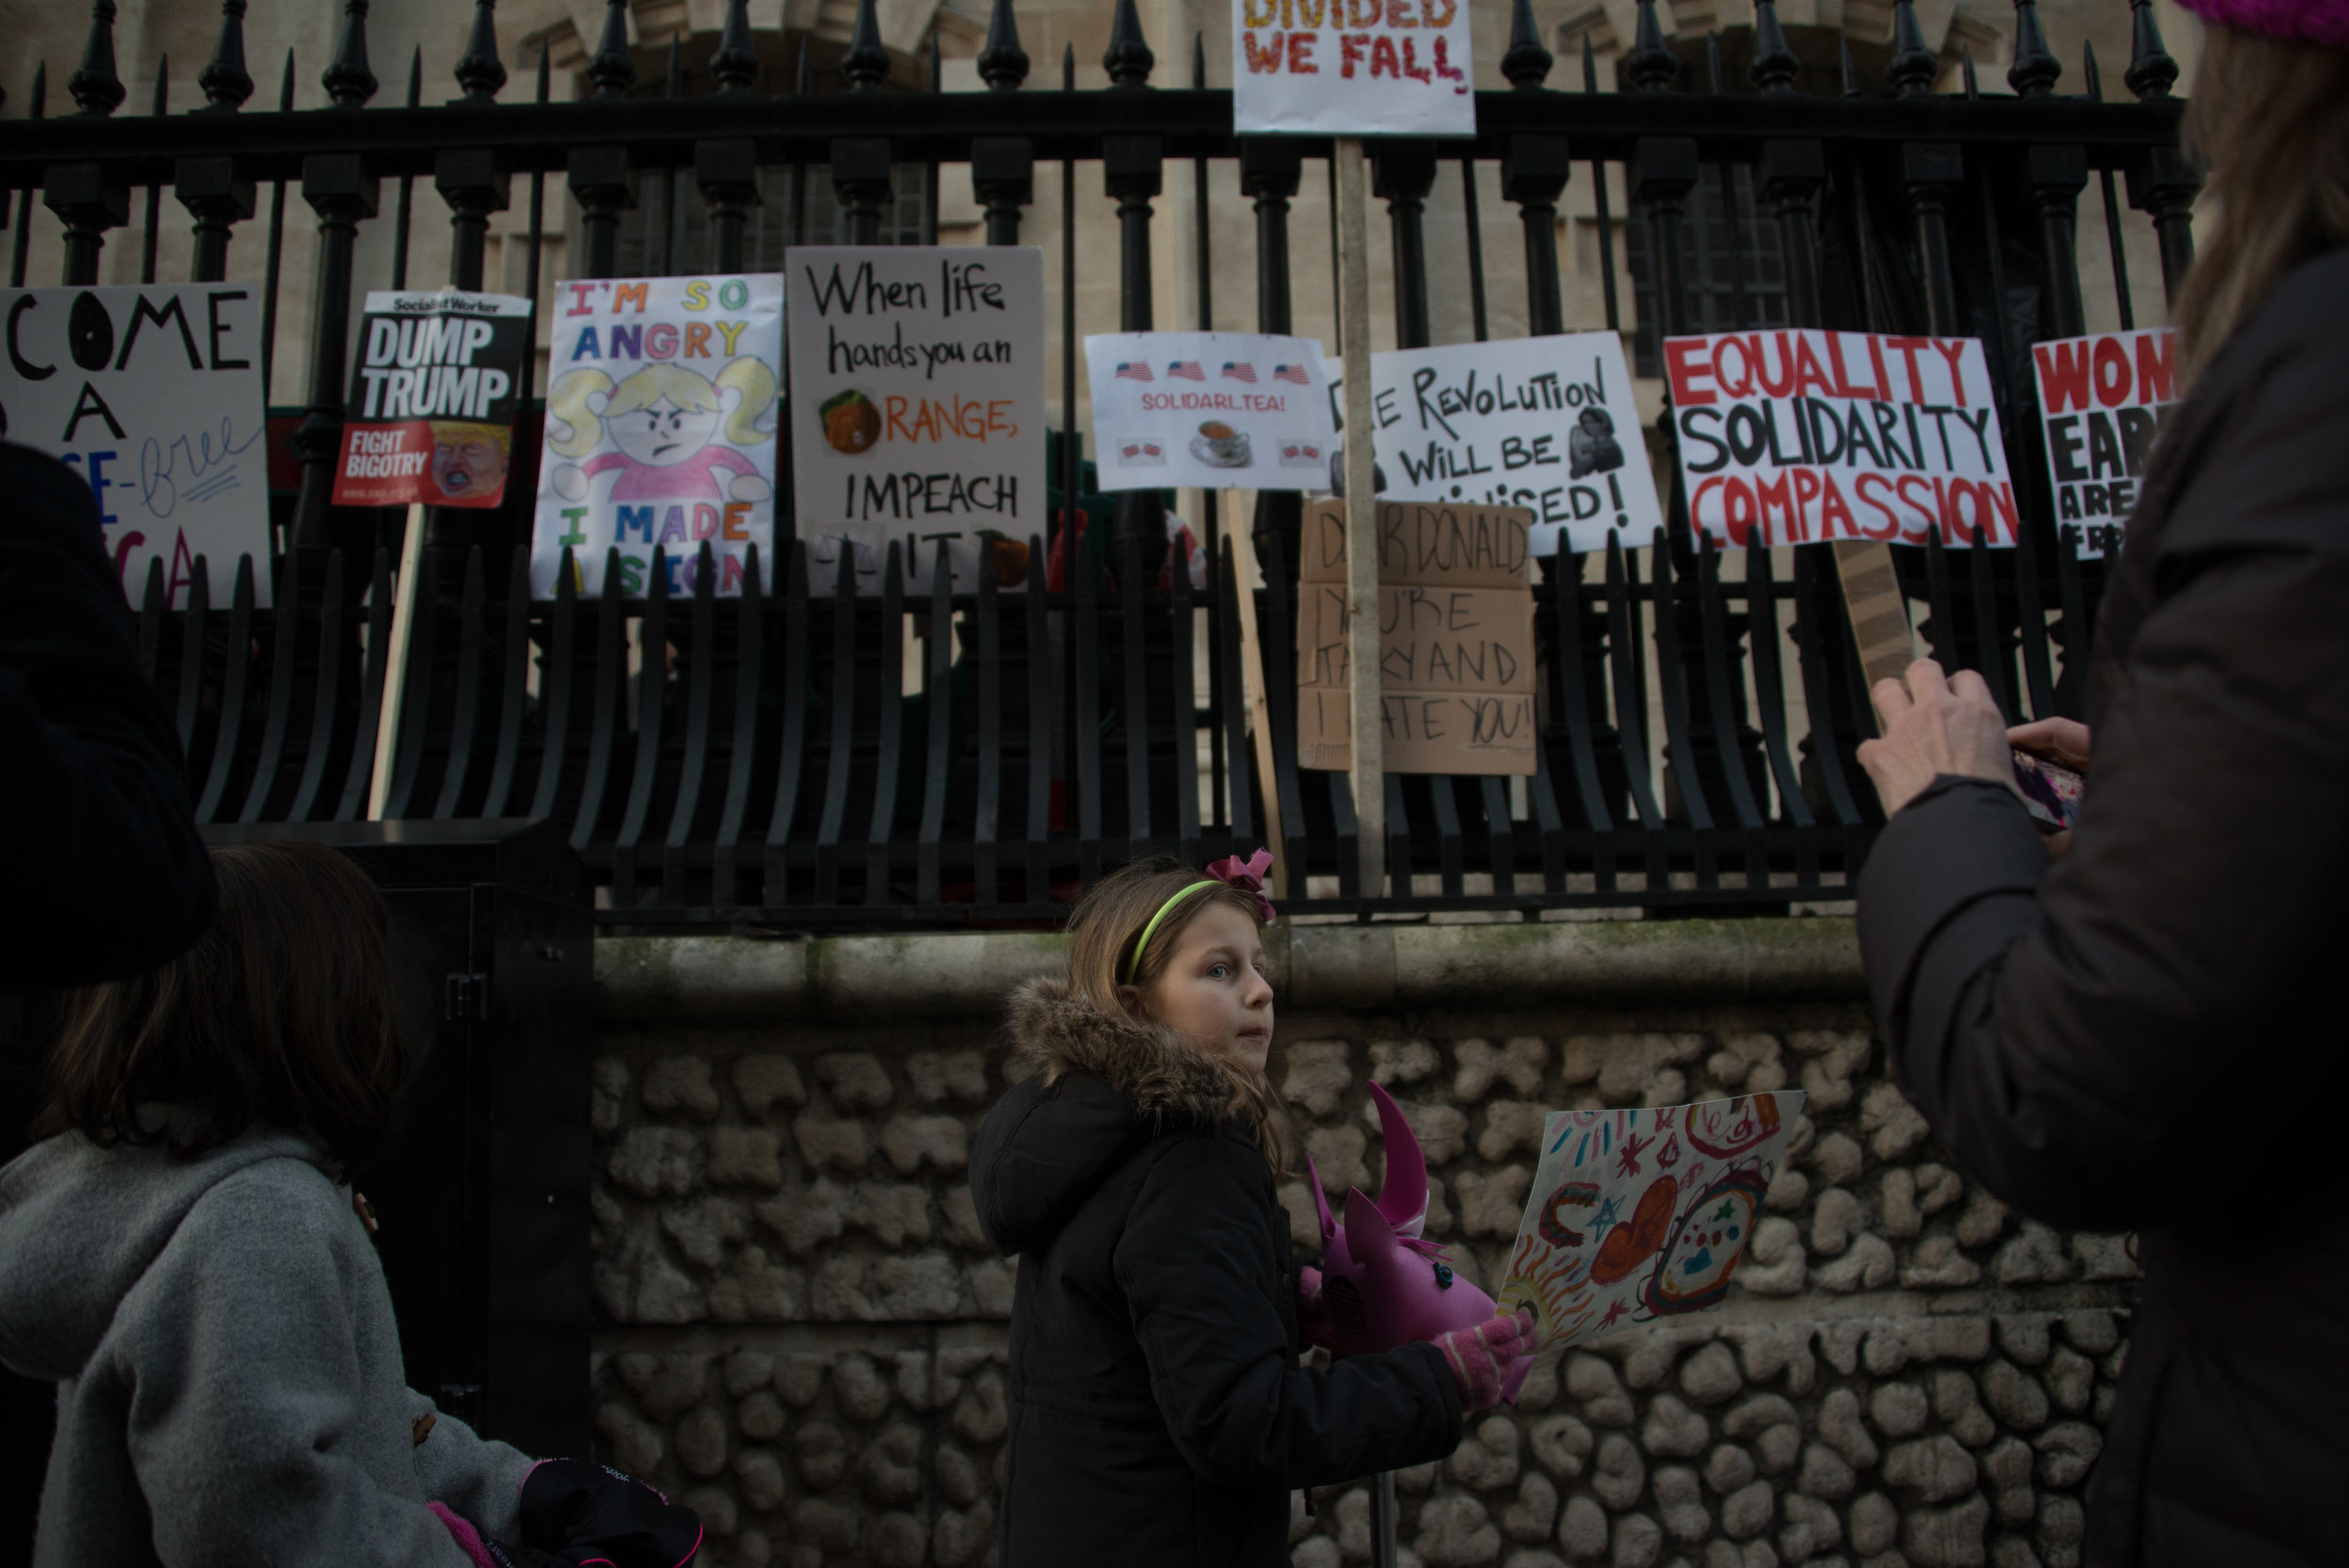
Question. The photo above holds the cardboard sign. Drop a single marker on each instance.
(431, 411)
(154, 395)
(1352, 68)
(2101, 398)
(1455, 640)
(1792, 437)
(660, 429)
(917, 399)
(1550, 423)
(1636, 1214)
(1222, 410)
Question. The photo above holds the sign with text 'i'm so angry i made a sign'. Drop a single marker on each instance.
(2102, 397)
(1795, 437)
(1352, 68)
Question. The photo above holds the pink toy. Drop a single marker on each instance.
(1382, 1284)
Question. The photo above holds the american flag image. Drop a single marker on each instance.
(1186, 370)
(1133, 371)
(1290, 373)
(1234, 371)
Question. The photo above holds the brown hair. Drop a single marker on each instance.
(282, 1013)
(2270, 122)
(1102, 932)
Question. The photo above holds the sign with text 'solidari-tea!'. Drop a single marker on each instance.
(154, 394)
(430, 418)
(1798, 437)
(1222, 410)
(917, 406)
(2101, 398)
(661, 430)
(1352, 68)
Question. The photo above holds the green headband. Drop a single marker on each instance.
(1133, 965)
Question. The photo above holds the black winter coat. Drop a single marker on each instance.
(2147, 1035)
(1159, 1414)
(103, 872)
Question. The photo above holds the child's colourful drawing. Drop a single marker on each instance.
(1643, 1214)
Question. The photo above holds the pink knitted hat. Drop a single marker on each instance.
(2324, 22)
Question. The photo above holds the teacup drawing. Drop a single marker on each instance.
(1220, 444)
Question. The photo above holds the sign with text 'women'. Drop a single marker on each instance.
(1795, 437)
(1352, 68)
(1223, 411)
(1549, 423)
(917, 406)
(154, 394)
(661, 430)
(2102, 397)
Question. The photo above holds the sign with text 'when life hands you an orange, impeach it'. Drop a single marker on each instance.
(1455, 639)
(1352, 68)
(1797, 437)
(2101, 399)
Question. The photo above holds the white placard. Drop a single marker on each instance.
(1222, 410)
(917, 406)
(660, 429)
(154, 394)
(1550, 423)
(2101, 397)
(1352, 68)
(1797, 436)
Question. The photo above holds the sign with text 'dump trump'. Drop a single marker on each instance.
(1352, 68)
(432, 399)
(1801, 437)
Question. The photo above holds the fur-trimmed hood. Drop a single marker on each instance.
(1104, 1085)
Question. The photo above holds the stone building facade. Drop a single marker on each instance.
(804, 1330)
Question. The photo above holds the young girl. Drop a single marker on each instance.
(1158, 1412)
(184, 1259)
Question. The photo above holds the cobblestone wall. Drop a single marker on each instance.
(806, 1329)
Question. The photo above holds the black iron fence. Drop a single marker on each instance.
(806, 757)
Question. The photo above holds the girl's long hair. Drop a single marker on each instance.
(282, 1013)
(2270, 123)
(1101, 935)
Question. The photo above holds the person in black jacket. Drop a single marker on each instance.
(103, 873)
(1158, 1413)
(2142, 1033)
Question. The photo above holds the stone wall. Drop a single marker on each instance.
(806, 1329)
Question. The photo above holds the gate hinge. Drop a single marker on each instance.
(468, 999)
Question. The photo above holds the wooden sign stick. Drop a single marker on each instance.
(395, 670)
(1879, 613)
(1239, 527)
(1362, 517)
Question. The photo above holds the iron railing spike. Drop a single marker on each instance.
(1128, 59)
(2035, 69)
(611, 69)
(735, 64)
(2152, 72)
(224, 81)
(1653, 68)
(1526, 63)
(1850, 73)
(1973, 86)
(1775, 64)
(348, 81)
(1199, 60)
(416, 76)
(1002, 64)
(1713, 61)
(1913, 66)
(801, 79)
(479, 70)
(2088, 68)
(97, 87)
(866, 63)
(1590, 65)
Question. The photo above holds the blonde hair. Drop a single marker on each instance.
(2270, 122)
(456, 431)
(567, 400)
(1101, 934)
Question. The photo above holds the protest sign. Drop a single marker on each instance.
(917, 404)
(1636, 1214)
(660, 429)
(1352, 68)
(1792, 437)
(2101, 397)
(1455, 640)
(1550, 423)
(1222, 410)
(431, 419)
(154, 394)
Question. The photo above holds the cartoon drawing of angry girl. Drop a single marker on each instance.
(665, 420)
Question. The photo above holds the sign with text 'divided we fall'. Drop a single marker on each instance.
(1455, 639)
(1352, 68)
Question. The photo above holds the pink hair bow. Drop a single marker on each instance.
(1247, 876)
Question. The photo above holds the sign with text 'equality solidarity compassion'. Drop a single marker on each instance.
(917, 406)
(1352, 68)
(661, 430)
(1223, 411)
(1455, 639)
(431, 411)
(1793, 437)
(1550, 423)
(2101, 398)
(154, 395)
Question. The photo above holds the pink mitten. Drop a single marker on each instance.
(1313, 1317)
(460, 1529)
(1482, 1358)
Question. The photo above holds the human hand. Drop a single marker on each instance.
(1481, 1357)
(1934, 724)
(1313, 1315)
(2059, 741)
